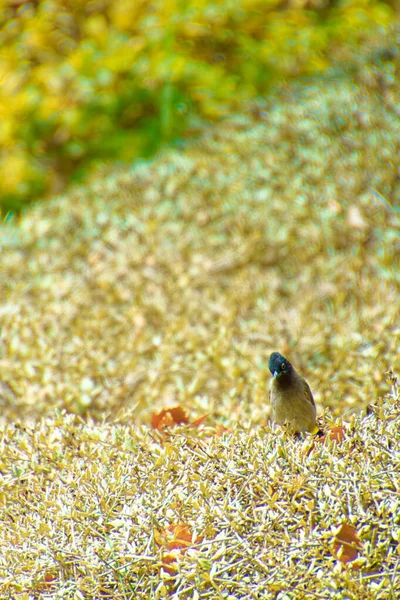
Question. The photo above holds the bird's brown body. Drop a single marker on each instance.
(292, 402)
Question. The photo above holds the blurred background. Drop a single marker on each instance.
(84, 84)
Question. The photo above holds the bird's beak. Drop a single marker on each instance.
(276, 374)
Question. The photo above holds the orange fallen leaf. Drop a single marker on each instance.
(47, 582)
(174, 536)
(176, 539)
(176, 415)
(347, 543)
(336, 433)
(197, 422)
(169, 563)
(169, 417)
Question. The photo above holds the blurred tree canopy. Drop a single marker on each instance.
(89, 81)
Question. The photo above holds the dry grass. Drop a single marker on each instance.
(171, 284)
(82, 503)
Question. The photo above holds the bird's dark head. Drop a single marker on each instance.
(279, 365)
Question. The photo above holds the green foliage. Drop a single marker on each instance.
(84, 82)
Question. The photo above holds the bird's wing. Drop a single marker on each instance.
(308, 392)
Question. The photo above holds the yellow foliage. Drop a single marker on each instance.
(96, 28)
(14, 168)
(108, 62)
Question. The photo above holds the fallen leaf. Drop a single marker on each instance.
(347, 544)
(169, 417)
(176, 539)
(336, 433)
(176, 536)
(168, 563)
(176, 415)
(47, 582)
(197, 422)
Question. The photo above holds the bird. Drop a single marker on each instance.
(291, 398)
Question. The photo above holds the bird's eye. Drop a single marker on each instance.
(283, 366)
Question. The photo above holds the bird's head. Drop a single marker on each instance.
(279, 365)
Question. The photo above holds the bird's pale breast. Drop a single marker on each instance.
(293, 405)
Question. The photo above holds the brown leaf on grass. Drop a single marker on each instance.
(197, 422)
(347, 544)
(169, 417)
(336, 433)
(173, 537)
(169, 562)
(47, 582)
(176, 415)
(176, 539)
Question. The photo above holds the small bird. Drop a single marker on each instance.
(291, 399)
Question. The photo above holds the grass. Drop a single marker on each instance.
(83, 503)
(170, 284)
